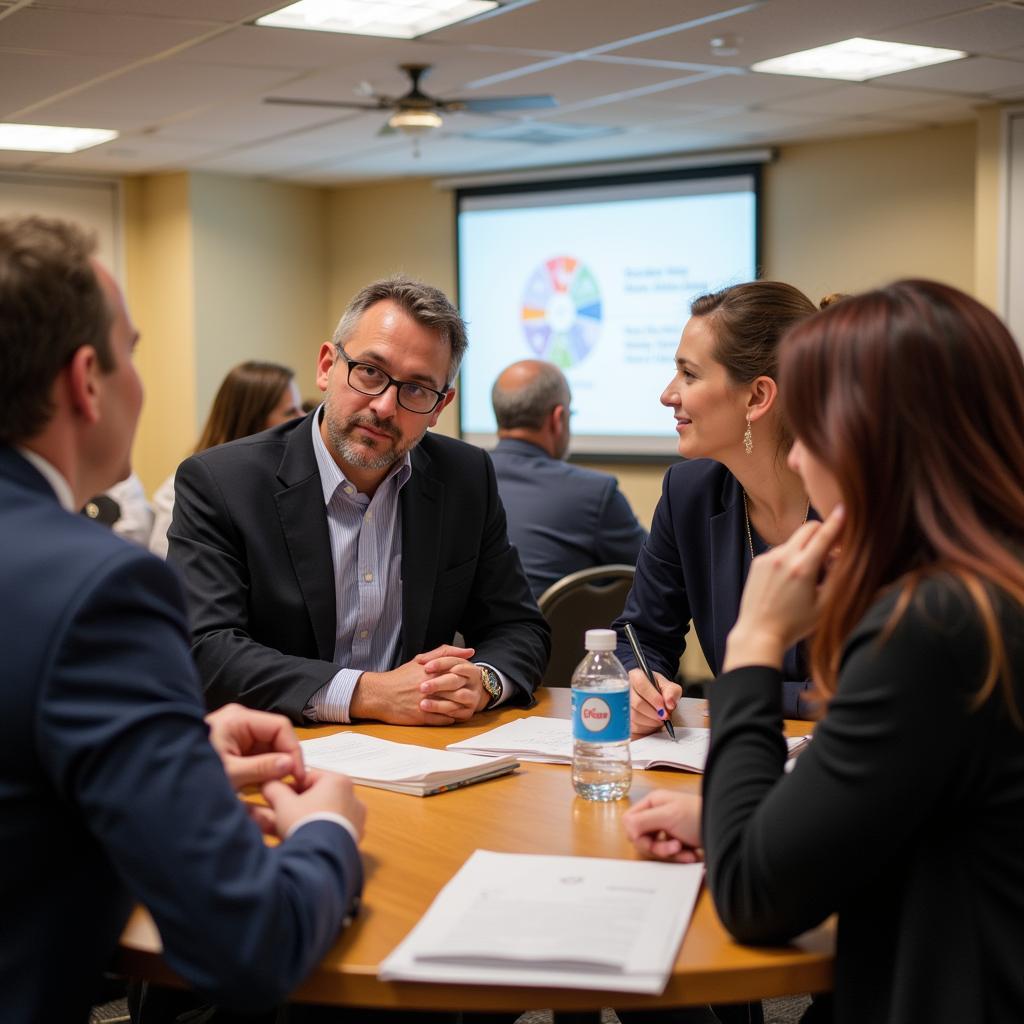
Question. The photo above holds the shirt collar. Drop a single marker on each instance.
(331, 476)
(53, 477)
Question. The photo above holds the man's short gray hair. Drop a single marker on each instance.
(526, 407)
(428, 306)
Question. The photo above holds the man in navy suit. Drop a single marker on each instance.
(561, 518)
(329, 562)
(110, 789)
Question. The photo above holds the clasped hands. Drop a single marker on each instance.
(438, 687)
(258, 748)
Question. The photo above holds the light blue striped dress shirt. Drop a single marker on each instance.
(366, 549)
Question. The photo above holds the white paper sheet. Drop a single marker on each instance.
(565, 922)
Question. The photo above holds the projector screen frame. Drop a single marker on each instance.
(753, 169)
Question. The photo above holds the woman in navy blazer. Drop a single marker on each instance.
(733, 498)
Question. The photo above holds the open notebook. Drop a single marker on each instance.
(549, 741)
(401, 767)
(547, 921)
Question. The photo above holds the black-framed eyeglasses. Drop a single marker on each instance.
(368, 379)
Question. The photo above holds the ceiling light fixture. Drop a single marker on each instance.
(48, 138)
(856, 60)
(393, 19)
(415, 122)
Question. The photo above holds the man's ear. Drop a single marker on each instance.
(82, 376)
(324, 361)
(763, 393)
(445, 402)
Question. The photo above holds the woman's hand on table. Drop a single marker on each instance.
(781, 599)
(666, 826)
(648, 709)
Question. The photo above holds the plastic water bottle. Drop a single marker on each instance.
(601, 769)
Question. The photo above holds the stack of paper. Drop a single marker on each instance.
(401, 767)
(549, 741)
(566, 922)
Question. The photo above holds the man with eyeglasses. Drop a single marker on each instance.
(330, 562)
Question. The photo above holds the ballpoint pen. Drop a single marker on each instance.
(642, 662)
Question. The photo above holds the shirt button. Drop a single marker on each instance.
(349, 489)
(368, 576)
(369, 515)
(363, 634)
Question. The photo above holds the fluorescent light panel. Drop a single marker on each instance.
(48, 138)
(856, 60)
(394, 19)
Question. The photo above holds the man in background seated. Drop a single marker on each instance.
(329, 562)
(561, 518)
(110, 790)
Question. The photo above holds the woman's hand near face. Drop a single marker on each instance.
(666, 826)
(781, 598)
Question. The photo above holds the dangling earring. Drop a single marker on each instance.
(748, 438)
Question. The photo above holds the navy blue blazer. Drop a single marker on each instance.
(561, 517)
(250, 536)
(693, 567)
(110, 792)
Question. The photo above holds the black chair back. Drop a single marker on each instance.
(588, 599)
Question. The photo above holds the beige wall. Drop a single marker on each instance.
(261, 278)
(160, 294)
(219, 270)
(850, 214)
(987, 191)
(402, 227)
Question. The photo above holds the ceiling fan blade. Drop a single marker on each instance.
(288, 101)
(487, 105)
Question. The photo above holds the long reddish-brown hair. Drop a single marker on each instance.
(913, 397)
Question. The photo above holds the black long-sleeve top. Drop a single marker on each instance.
(905, 816)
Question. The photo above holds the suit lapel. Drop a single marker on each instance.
(300, 507)
(422, 506)
(725, 560)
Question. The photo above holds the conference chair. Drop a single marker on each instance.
(588, 599)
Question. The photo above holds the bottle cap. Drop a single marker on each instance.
(600, 640)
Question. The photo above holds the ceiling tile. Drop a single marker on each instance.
(855, 100)
(249, 121)
(740, 90)
(203, 10)
(570, 25)
(785, 26)
(26, 78)
(974, 75)
(96, 34)
(985, 30)
(137, 155)
(149, 95)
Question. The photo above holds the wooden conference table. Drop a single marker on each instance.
(414, 845)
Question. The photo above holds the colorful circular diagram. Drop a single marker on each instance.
(562, 311)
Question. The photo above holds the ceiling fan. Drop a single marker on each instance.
(415, 111)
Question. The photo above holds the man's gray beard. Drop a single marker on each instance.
(358, 453)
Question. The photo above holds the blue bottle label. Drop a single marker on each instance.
(600, 716)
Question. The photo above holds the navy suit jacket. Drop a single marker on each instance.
(110, 791)
(693, 567)
(250, 535)
(561, 517)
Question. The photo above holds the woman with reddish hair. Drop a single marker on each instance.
(906, 814)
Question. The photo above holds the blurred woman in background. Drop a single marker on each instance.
(254, 396)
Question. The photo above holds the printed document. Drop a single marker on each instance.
(564, 922)
(549, 741)
(401, 767)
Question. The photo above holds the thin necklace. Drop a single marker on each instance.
(746, 516)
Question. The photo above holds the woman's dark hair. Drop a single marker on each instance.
(244, 400)
(912, 396)
(748, 321)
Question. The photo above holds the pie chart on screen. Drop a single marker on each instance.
(561, 311)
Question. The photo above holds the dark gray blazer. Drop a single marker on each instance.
(561, 517)
(250, 536)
